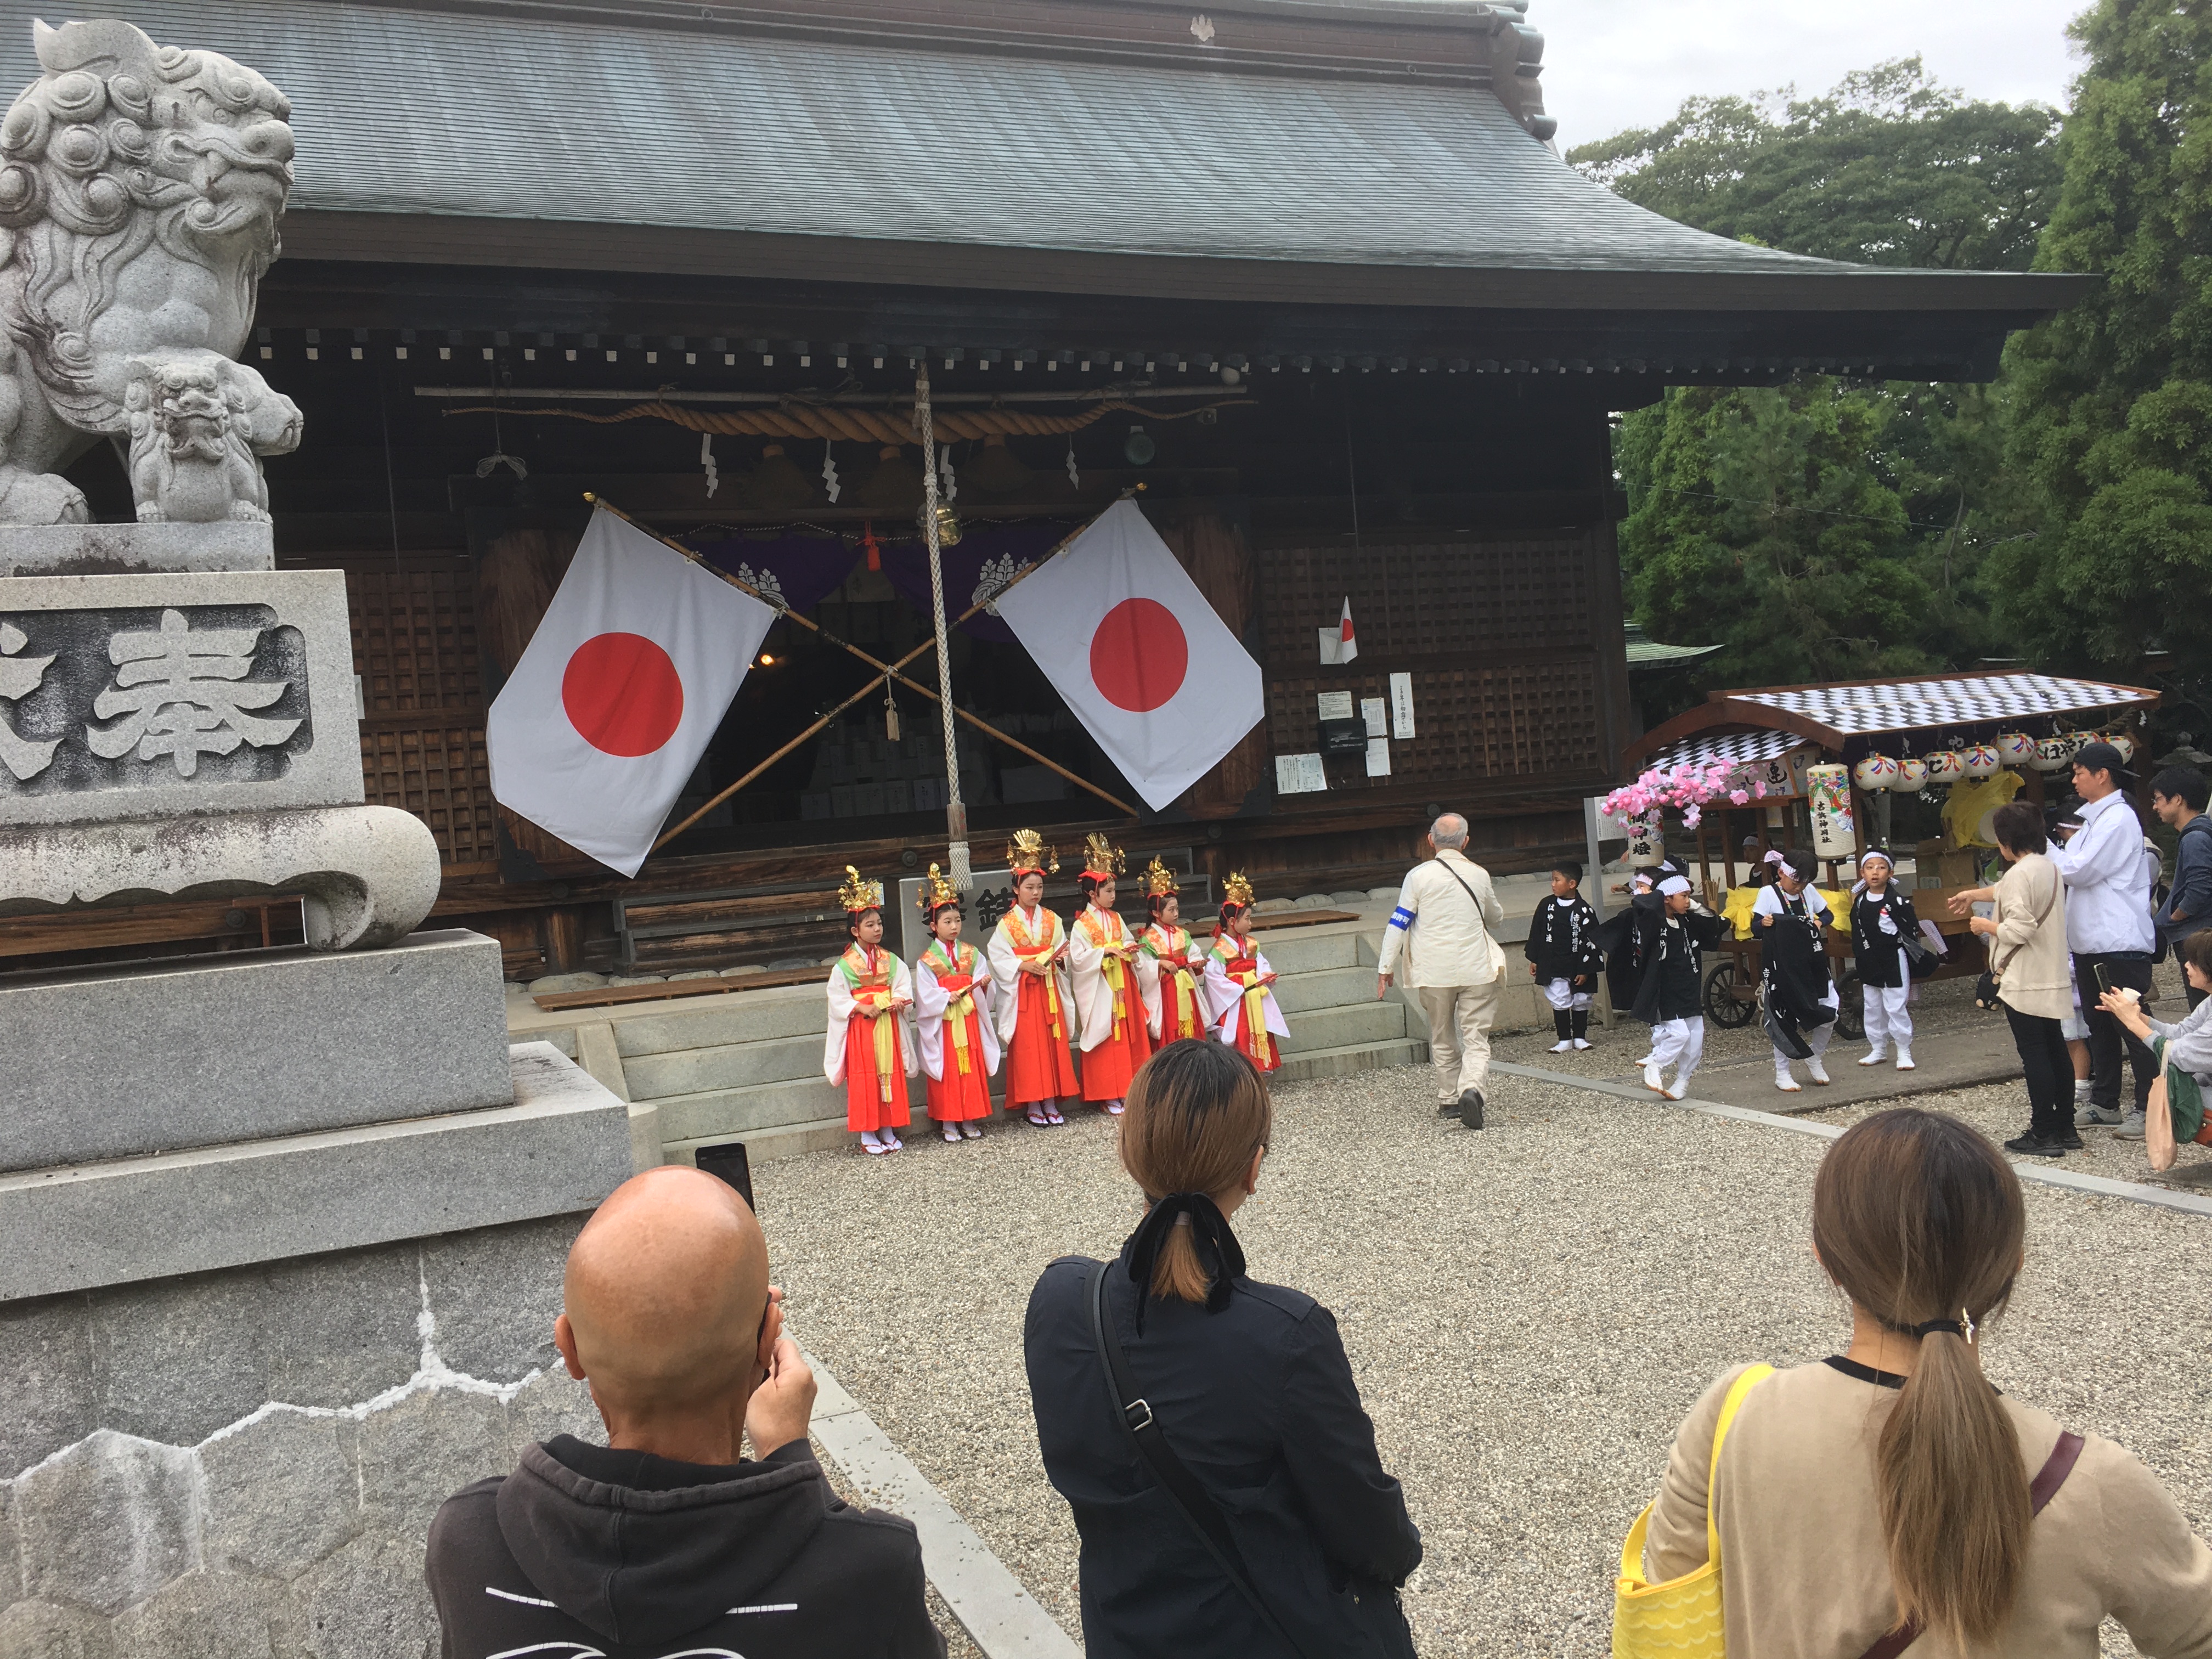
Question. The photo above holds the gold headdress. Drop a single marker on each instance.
(1160, 880)
(1100, 857)
(1236, 891)
(857, 896)
(936, 890)
(1027, 852)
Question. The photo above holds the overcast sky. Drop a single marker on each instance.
(1609, 64)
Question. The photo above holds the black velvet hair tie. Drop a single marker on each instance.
(1219, 1255)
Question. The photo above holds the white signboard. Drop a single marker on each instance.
(1375, 711)
(1299, 775)
(1379, 757)
(1335, 705)
(1402, 706)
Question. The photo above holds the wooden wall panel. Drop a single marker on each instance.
(441, 775)
(1425, 598)
(1212, 547)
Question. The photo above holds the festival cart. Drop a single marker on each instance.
(1819, 766)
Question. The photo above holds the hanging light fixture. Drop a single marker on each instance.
(1139, 449)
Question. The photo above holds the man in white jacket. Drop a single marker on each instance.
(1447, 914)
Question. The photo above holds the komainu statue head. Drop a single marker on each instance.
(140, 191)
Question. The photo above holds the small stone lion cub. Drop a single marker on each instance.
(195, 422)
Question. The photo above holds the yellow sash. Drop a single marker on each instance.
(1113, 967)
(873, 985)
(1180, 1018)
(962, 1008)
(1024, 951)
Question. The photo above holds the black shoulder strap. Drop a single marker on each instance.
(1173, 1475)
(1480, 915)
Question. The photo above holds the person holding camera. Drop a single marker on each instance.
(1205, 1427)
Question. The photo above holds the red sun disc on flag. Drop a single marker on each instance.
(622, 693)
(1139, 655)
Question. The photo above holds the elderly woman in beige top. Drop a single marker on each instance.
(1892, 1491)
(2035, 976)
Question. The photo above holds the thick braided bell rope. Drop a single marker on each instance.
(956, 809)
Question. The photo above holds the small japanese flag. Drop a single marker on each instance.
(1337, 644)
(595, 733)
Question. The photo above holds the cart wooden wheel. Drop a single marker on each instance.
(1723, 1006)
(1850, 1012)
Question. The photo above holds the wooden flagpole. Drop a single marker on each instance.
(889, 671)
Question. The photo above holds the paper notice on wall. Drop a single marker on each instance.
(1402, 706)
(1335, 705)
(1299, 775)
(1376, 711)
(1379, 757)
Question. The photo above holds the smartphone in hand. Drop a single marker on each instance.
(2104, 979)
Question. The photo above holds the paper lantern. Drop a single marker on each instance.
(1912, 776)
(2015, 749)
(1828, 796)
(2123, 743)
(2051, 756)
(1946, 767)
(1647, 845)
(1981, 761)
(1875, 772)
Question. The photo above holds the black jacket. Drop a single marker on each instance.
(1879, 956)
(586, 1550)
(1671, 961)
(1793, 950)
(1258, 1400)
(1563, 941)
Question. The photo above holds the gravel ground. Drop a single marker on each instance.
(1529, 1311)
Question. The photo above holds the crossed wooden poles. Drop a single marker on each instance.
(887, 671)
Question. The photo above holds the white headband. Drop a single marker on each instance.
(1675, 885)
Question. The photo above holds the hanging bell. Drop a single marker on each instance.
(948, 526)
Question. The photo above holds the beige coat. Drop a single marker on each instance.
(1804, 1570)
(2029, 955)
(1445, 937)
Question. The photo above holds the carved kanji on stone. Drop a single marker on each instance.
(19, 677)
(174, 687)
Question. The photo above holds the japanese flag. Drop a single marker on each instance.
(1338, 644)
(603, 721)
(1136, 652)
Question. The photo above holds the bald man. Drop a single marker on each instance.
(665, 1539)
(1443, 932)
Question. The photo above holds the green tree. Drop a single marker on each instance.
(1887, 168)
(2114, 398)
(1829, 529)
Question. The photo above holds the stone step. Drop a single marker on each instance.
(821, 1134)
(1296, 951)
(730, 1114)
(1336, 1028)
(1325, 988)
(1351, 1057)
(728, 1066)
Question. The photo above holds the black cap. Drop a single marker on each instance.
(2102, 757)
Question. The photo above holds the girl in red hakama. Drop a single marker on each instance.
(868, 1049)
(1036, 1004)
(1237, 978)
(1107, 1001)
(1168, 964)
(953, 1028)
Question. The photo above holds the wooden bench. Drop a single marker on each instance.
(673, 932)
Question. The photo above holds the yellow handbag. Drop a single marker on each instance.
(1680, 1619)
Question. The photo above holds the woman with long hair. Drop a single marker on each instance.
(1890, 1496)
(1290, 1540)
(2034, 976)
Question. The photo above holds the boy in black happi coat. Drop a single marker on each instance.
(1565, 955)
(1672, 933)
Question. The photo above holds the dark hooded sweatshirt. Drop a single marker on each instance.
(584, 1549)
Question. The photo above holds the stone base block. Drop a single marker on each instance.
(563, 1146)
(127, 1062)
(369, 874)
(128, 549)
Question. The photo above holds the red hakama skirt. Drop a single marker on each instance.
(873, 1101)
(1246, 1022)
(1108, 1068)
(1038, 1064)
(962, 1095)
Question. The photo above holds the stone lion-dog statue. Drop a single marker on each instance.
(140, 191)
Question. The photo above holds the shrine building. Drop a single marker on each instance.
(1313, 274)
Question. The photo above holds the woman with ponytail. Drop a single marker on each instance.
(1890, 1497)
(1290, 1539)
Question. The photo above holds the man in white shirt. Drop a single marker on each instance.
(2108, 928)
(1447, 914)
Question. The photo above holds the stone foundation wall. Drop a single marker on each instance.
(244, 1464)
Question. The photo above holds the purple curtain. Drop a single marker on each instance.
(907, 564)
(803, 568)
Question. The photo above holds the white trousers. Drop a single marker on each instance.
(1460, 1018)
(1887, 1019)
(1816, 1038)
(1563, 996)
(1679, 1042)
